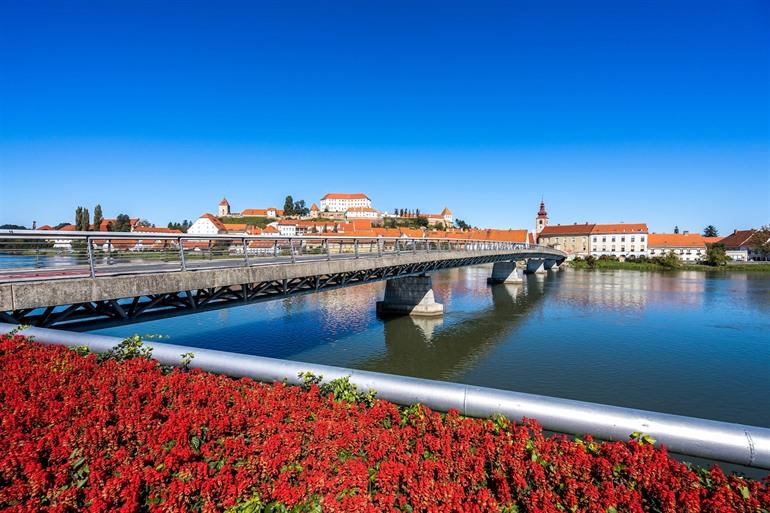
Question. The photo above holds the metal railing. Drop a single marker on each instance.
(45, 254)
(710, 439)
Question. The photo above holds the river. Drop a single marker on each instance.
(689, 343)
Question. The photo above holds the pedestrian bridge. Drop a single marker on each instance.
(79, 279)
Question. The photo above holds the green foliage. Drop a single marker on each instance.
(16, 329)
(710, 231)
(81, 350)
(342, 389)
(187, 359)
(642, 438)
(670, 261)
(82, 219)
(288, 206)
(716, 255)
(760, 241)
(255, 505)
(122, 223)
(131, 347)
(12, 227)
(258, 221)
(98, 217)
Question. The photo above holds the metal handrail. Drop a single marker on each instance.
(711, 439)
(101, 253)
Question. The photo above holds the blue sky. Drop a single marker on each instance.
(613, 111)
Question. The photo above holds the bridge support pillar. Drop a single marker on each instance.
(535, 266)
(410, 295)
(551, 265)
(505, 272)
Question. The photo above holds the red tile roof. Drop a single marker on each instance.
(224, 202)
(675, 240)
(446, 212)
(155, 229)
(235, 227)
(214, 219)
(712, 240)
(567, 229)
(737, 239)
(361, 209)
(340, 195)
(313, 207)
(620, 228)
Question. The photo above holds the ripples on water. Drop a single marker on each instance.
(684, 342)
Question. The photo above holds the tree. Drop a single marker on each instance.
(300, 209)
(288, 206)
(462, 224)
(760, 242)
(716, 256)
(122, 224)
(676, 229)
(710, 231)
(144, 223)
(12, 227)
(82, 219)
(98, 217)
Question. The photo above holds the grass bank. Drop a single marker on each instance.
(652, 266)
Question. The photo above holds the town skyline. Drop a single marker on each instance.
(557, 218)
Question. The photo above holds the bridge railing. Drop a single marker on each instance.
(45, 254)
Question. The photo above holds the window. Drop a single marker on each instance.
(604, 239)
(641, 238)
(594, 239)
(632, 238)
(623, 239)
(613, 239)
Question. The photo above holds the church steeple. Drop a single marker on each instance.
(541, 221)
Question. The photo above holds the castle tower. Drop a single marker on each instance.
(224, 208)
(541, 221)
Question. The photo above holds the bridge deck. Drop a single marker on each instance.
(139, 288)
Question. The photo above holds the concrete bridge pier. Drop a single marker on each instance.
(535, 266)
(551, 265)
(410, 295)
(505, 272)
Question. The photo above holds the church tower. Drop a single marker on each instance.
(541, 221)
(224, 208)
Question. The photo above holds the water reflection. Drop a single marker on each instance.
(682, 342)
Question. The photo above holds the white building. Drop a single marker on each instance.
(207, 224)
(618, 240)
(362, 213)
(738, 246)
(689, 247)
(342, 202)
(287, 228)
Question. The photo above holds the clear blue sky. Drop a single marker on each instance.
(655, 111)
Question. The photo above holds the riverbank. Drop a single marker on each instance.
(652, 266)
(79, 431)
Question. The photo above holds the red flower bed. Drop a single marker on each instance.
(80, 435)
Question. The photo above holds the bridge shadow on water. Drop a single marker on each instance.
(425, 347)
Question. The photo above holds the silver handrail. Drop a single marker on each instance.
(31, 254)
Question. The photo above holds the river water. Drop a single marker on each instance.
(689, 343)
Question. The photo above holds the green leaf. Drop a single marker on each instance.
(744, 491)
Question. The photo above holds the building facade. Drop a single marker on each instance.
(689, 247)
(738, 246)
(362, 213)
(570, 238)
(619, 240)
(207, 224)
(342, 202)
